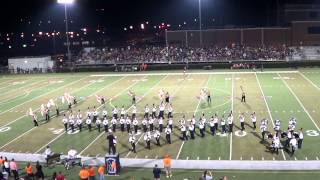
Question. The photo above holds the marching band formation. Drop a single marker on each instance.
(157, 121)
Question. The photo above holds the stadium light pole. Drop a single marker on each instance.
(66, 3)
(200, 23)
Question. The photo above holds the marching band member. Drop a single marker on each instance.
(144, 125)
(193, 122)
(135, 125)
(211, 124)
(104, 113)
(161, 110)
(150, 122)
(115, 112)
(147, 138)
(98, 124)
(95, 115)
(182, 121)
(204, 120)
(275, 143)
(168, 134)
(223, 125)
(35, 120)
(215, 120)
(122, 121)
(88, 114)
(79, 121)
(170, 123)
(277, 124)
(105, 123)
(263, 128)
(300, 138)
(167, 99)
(208, 97)
(201, 128)
(254, 120)
(88, 122)
(122, 112)
(294, 145)
(146, 112)
(47, 111)
(71, 121)
(230, 122)
(183, 132)
(114, 124)
(132, 141)
(134, 111)
(241, 119)
(128, 123)
(157, 137)
(160, 125)
(289, 137)
(170, 110)
(191, 130)
(154, 111)
(65, 122)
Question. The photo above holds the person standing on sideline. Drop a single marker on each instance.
(84, 174)
(167, 166)
(29, 171)
(39, 172)
(14, 169)
(156, 172)
(207, 175)
(92, 173)
(101, 171)
(60, 176)
(300, 138)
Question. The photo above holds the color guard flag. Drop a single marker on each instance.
(52, 102)
(62, 99)
(42, 109)
(130, 93)
(98, 98)
(30, 112)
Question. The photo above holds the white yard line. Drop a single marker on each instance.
(91, 143)
(232, 94)
(305, 77)
(180, 149)
(306, 111)
(269, 112)
(17, 138)
(49, 142)
(34, 99)
(192, 73)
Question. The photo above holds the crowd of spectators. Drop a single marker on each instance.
(162, 54)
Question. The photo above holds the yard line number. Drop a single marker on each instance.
(4, 129)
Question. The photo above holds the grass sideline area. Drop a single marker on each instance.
(272, 94)
(180, 174)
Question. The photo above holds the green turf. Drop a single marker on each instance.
(281, 93)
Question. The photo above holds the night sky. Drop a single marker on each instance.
(114, 15)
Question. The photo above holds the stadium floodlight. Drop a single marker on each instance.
(200, 24)
(65, 1)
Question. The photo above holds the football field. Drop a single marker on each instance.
(279, 94)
